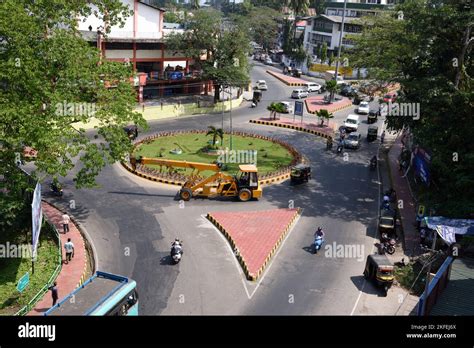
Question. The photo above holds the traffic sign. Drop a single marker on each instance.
(23, 282)
(299, 108)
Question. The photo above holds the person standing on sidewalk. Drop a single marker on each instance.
(54, 293)
(66, 221)
(69, 248)
(382, 137)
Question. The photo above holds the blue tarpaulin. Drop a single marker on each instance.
(448, 228)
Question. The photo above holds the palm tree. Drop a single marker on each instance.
(299, 7)
(195, 4)
(215, 132)
(275, 108)
(324, 115)
(331, 87)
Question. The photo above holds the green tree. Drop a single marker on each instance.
(275, 108)
(319, 6)
(323, 114)
(47, 73)
(215, 133)
(225, 47)
(262, 23)
(330, 58)
(195, 4)
(324, 53)
(428, 52)
(331, 87)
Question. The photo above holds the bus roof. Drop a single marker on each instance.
(91, 298)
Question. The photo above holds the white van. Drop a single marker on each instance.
(299, 93)
(313, 87)
(351, 124)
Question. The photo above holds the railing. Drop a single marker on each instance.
(138, 35)
(27, 308)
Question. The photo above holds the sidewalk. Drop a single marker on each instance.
(71, 274)
(408, 210)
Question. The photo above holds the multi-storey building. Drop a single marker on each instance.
(141, 43)
(327, 27)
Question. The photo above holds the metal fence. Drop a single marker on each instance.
(27, 308)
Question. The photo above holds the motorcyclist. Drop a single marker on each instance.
(319, 233)
(329, 144)
(177, 245)
(373, 160)
(340, 145)
(55, 185)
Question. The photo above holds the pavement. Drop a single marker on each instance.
(316, 103)
(254, 235)
(71, 273)
(288, 80)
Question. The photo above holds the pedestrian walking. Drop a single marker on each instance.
(54, 292)
(69, 248)
(382, 137)
(66, 220)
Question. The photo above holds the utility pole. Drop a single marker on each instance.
(428, 273)
(230, 115)
(340, 40)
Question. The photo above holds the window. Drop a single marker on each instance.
(125, 304)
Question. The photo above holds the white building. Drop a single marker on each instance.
(326, 27)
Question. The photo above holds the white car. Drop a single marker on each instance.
(351, 124)
(299, 93)
(363, 108)
(262, 85)
(287, 106)
(313, 87)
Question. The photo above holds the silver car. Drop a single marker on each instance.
(352, 140)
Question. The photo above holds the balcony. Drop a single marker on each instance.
(151, 35)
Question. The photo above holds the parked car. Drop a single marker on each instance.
(352, 141)
(287, 106)
(299, 93)
(363, 108)
(390, 97)
(351, 124)
(313, 87)
(262, 85)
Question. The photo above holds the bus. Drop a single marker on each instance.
(101, 294)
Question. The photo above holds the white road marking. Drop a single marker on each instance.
(379, 182)
(239, 268)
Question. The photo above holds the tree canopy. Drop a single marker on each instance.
(223, 44)
(51, 79)
(424, 46)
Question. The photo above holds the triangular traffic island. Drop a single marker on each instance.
(254, 235)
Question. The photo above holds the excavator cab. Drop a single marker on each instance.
(247, 183)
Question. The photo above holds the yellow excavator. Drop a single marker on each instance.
(245, 185)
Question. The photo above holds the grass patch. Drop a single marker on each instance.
(270, 156)
(12, 269)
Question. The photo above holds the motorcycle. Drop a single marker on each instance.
(340, 147)
(56, 189)
(318, 242)
(386, 205)
(373, 164)
(387, 244)
(176, 252)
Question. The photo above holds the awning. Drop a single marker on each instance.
(448, 228)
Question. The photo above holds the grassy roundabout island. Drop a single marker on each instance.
(198, 147)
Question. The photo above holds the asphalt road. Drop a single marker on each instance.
(133, 221)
